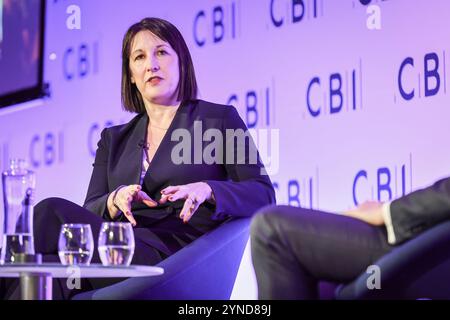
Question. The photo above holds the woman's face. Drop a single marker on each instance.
(154, 69)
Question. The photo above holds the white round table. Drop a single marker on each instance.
(36, 279)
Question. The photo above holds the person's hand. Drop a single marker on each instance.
(126, 195)
(193, 193)
(369, 211)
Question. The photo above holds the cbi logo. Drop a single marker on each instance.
(299, 192)
(258, 103)
(80, 61)
(384, 183)
(284, 12)
(334, 93)
(421, 77)
(217, 24)
(46, 149)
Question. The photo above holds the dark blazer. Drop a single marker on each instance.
(239, 189)
(420, 210)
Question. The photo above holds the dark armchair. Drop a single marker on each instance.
(417, 269)
(205, 269)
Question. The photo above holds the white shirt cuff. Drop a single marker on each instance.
(386, 209)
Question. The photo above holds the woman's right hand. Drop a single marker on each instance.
(124, 197)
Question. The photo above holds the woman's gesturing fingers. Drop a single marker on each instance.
(143, 197)
(124, 198)
(193, 193)
(190, 206)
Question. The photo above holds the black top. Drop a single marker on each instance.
(239, 189)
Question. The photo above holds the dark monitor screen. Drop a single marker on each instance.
(21, 50)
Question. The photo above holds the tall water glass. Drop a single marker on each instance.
(18, 184)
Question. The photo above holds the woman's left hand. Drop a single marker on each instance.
(193, 193)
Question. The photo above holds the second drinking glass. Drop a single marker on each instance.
(116, 243)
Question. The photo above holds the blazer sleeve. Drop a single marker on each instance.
(420, 210)
(98, 191)
(249, 187)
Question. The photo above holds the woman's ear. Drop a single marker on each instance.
(132, 80)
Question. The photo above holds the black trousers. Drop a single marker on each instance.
(294, 249)
(49, 215)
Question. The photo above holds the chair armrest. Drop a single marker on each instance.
(204, 269)
(403, 266)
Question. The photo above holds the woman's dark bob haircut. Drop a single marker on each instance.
(187, 87)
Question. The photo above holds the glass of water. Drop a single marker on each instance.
(116, 243)
(76, 244)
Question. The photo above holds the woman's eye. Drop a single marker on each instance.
(162, 52)
(138, 57)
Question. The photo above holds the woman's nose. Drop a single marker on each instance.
(153, 68)
(153, 65)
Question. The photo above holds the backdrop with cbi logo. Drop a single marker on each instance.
(358, 90)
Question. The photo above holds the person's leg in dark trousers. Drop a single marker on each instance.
(295, 248)
(49, 215)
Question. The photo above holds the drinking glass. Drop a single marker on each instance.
(76, 244)
(116, 243)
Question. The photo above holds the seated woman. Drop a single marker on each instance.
(146, 174)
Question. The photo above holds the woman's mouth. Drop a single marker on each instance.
(154, 80)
